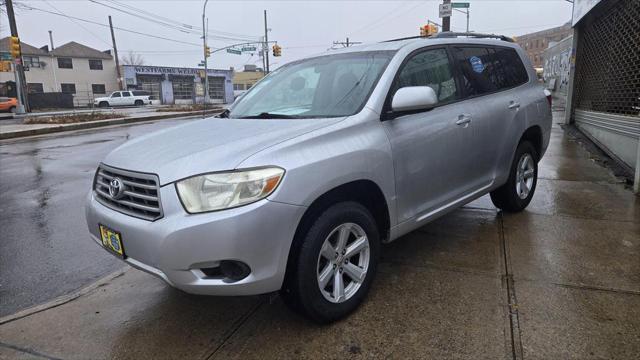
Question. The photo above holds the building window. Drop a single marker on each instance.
(33, 88)
(65, 63)
(95, 64)
(239, 87)
(68, 88)
(182, 88)
(98, 89)
(31, 61)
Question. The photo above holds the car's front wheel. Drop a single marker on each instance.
(103, 104)
(335, 264)
(516, 194)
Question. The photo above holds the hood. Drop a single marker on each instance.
(207, 145)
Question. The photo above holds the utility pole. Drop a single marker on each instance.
(266, 43)
(466, 13)
(346, 43)
(53, 68)
(446, 21)
(206, 69)
(21, 82)
(115, 53)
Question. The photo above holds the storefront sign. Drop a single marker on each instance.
(170, 70)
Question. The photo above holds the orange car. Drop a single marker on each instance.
(8, 104)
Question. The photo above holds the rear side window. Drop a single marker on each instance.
(487, 69)
(429, 68)
(125, 94)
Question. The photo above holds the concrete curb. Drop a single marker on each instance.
(95, 124)
(64, 298)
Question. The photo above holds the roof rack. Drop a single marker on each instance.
(451, 34)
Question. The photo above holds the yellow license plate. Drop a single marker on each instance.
(112, 241)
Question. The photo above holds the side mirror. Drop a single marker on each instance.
(414, 98)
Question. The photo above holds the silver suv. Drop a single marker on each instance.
(298, 184)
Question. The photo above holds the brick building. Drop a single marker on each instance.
(535, 43)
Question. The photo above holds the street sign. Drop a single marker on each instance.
(249, 48)
(234, 51)
(460, 5)
(445, 10)
(5, 55)
(201, 64)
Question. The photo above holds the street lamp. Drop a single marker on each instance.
(204, 52)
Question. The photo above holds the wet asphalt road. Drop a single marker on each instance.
(45, 251)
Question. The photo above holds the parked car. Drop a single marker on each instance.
(8, 104)
(124, 98)
(301, 180)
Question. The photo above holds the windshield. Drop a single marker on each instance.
(326, 86)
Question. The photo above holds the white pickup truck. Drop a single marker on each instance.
(124, 98)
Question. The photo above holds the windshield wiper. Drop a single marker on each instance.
(266, 115)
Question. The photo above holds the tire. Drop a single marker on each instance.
(103, 104)
(12, 109)
(516, 194)
(302, 290)
(138, 103)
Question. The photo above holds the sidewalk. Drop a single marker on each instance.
(560, 280)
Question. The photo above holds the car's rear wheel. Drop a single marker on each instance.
(138, 103)
(103, 104)
(516, 194)
(335, 263)
(12, 109)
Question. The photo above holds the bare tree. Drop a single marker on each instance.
(132, 58)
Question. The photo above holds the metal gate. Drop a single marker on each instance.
(216, 88)
(152, 85)
(606, 100)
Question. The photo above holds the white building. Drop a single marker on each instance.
(71, 68)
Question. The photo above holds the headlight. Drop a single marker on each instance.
(225, 190)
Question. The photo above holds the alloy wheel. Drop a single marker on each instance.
(343, 262)
(525, 175)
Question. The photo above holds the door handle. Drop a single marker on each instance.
(463, 120)
(513, 105)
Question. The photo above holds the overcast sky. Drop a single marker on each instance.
(301, 27)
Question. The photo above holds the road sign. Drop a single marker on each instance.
(249, 48)
(234, 51)
(445, 10)
(201, 64)
(5, 55)
(460, 5)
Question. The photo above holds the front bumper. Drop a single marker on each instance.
(178, 245)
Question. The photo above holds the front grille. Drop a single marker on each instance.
(140, 195)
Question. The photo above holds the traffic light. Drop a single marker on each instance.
(15, 47)
(277, 50)
(428, 30)
(5, 66)
(207, 51)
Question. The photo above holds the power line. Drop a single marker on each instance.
(115, 27)
(198, 29)
(380, 19)
(80, 25)
(159, 20)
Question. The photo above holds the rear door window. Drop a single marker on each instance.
(125, 94)
(489, 69)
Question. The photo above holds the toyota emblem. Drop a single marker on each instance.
(116, 188)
